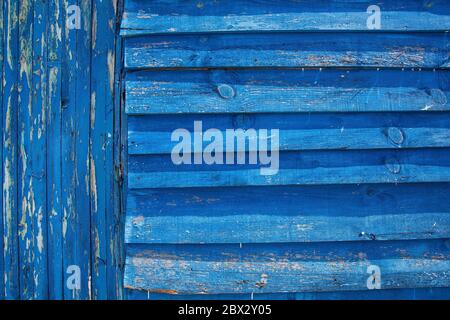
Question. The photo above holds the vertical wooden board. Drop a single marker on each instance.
(68, 74)
(119, 163)
(54, 209)
(9, 141)
(75, 151)
(38, 147)
(101, 143)
(2, 266)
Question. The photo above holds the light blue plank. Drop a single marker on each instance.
(152, 134)
(262, 268)
(56, 274)
(164, 16)
(379, 50)
(288, 214)
(287, 91)
(297, 168)
(10, 145)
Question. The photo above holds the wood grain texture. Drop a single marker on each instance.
(2, 262)
(288, 214)
(261, 268)
(297, 168)
(364, 138)
(101, 146)
(165, 16)
(327, 90)
(392, 294)
(47, 147)
(75, 149)
(54, 169)
(152, 134)
(119, 158)
(10, 145)
(355, 49)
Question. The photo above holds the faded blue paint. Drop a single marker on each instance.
(59, 205)
(364, 159)
(365, 166)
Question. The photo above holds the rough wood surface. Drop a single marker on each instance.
(288, 214)
(261, 268)
(325, 90)
(316, 49)
(364, 158)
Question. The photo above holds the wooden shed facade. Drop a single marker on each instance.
(358, 92)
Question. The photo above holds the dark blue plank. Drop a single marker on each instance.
(10, 152)
(379, 50)
(269, 268)
(288, 214)
(286, 91)
(119, 156)
(75, 150)
(165, 16)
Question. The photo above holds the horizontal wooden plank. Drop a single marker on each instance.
(392, 50)
(288, 214)
(267, 268)
(297, 168)
(152, 134)
(163, 16)
(393, 294)
(304, 90)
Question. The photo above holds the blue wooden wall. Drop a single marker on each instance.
(60, 150)
(364, 149)
(365, 166)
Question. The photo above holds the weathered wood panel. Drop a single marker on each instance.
(392, 50)
(54, 156)
(2, 263)
(165, 16)
(288, 214)
(392, 294)
(75, 150)
(53, 131)
(101, 164)
(297, 168)
(152, 134)
(261, 268)
(10, 145)
(364, 157)
(304, 90)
